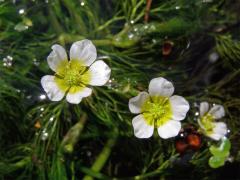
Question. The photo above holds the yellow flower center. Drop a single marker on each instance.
(208, 123)
(157, 110)
(72, 74)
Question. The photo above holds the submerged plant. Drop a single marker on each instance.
(194, 43)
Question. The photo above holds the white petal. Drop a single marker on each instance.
(99, 73)
(179, 107)
(57, 56)
(220, 128)
(83, 51)
(204, 107)
(75, 98)
(51, 88)
(200, 123)
(215, 136)
(217, 111)
(136, 103)
(219, 131)
(169, 129)
(160, 87)
(141, 128)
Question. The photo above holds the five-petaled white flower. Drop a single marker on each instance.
(73, 78)
(158, 109)
(212, 129)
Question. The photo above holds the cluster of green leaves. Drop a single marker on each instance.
(220, 154)
(95, 138)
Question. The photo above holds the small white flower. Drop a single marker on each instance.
(159, 109)
(212, 129)
(74, 77)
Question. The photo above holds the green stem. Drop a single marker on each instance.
(102, 158)
(72, 135)
(54, 22)
(22, 162)
(11, 167)
(69, 38)
(103, 42)
(79, 23)
(93, 174)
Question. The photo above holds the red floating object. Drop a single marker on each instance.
(188, 139)
(194, 141)
(167, 48)
(181, 146)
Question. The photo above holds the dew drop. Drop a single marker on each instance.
(18, 90)
(36, 62)
(82, 3)
(213, 57)
(7, 61)
(89, 153)
(29, 97)
(197, 113)
(145, 26)
(51, 119)
(135, 29)
(230, 159)
(188, 44)
(42, 97)
(130, 35)
(44, 135)
(21, 11)
(154, 41)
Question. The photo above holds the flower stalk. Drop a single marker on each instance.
(72, 136)
(102, 157)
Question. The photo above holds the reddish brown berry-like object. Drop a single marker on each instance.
(181, 146)
(194, 141)
(37, 125)
(167, 48)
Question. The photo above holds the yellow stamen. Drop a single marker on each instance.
(207, 122)
(72, 75)
(157, 110)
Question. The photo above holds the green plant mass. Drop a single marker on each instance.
(119, 89)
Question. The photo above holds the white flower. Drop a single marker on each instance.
(212, 129)
(159, 109)
(73, 78)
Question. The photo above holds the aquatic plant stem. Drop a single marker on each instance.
(102, 158)
(72, 135)
(146, 16)
(67, 38)
(53, 19)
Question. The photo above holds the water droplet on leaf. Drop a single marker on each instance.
(42, 96)
(21, 11)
